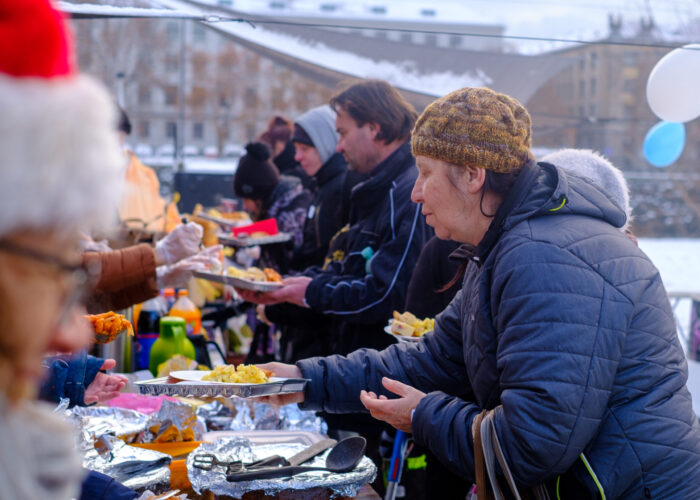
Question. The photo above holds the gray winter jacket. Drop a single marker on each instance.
(564, 325)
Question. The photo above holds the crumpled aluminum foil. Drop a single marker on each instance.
(262, 417)
(102, 420)
(135, 468)
(238, 448)
(181, 415)
(138, 468)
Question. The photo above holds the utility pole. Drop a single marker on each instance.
(180, 130)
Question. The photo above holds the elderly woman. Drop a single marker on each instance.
(562, 327)
(60, 173)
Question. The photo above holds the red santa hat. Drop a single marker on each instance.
(61, 165)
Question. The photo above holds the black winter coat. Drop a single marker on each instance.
(323, 218)
(368, 276)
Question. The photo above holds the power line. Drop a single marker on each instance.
(254, 20)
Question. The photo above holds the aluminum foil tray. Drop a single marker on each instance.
(171, 387)
(250, 242)
(256, 286)
(246, 450)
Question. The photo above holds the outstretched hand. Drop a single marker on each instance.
(395, 412)
(104, 386)
(293, 291)
(285, 371)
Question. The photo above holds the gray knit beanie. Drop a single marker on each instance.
(319, 125)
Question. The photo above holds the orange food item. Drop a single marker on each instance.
(272, 275)
(108, 326)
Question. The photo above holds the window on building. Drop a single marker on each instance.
(381, 34)
(582, 88)
(170, 95)
(170, 129)
(428, 12)
(329, 7)
(172, 30)
(378, 9)
(594, 60)
(276, 5)
(455, 41)
(406, 37)
(593, 88)
(431, 39)
(144, 95)
(171, 63)
(198, 130)
(629, 58)
(199, 34)
(582, 64)
(144, 129)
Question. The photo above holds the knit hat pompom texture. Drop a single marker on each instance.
(474, 127)
(256, 175)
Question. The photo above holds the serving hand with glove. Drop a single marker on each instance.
(182, 242)
(178, 274)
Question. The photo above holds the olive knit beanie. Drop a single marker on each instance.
(474, 127)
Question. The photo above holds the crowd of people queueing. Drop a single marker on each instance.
(551, 325)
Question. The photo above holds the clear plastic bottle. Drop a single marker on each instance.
(185, 308)
(169, 297)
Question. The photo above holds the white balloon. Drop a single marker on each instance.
(673, 87)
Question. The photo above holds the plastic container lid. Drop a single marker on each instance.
(183, 293)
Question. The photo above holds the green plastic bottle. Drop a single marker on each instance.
(171, 341)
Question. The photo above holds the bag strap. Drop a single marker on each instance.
(482, 490)
(492, 451)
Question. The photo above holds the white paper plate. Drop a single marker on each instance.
(196, 376)
(256, 286)
(400, 338)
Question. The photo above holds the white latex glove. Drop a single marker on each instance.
(177, 275)
(247, 256)
(182, 242)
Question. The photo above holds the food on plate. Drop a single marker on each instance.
(241, 374)
(255, 274)
(259, 234)
(108, 326)
(407, 325)
(272, 275)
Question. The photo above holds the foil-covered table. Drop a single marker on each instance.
(238, 448)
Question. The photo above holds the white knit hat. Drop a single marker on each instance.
(61, 165)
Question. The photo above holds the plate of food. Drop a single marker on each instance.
(228, 374)
(232, 219)
(226, 380)
(406, 327)
(253, 278)
(253, 239)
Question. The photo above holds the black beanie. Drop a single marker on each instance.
(256, 176)
(301, 136)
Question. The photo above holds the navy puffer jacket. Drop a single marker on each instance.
(564, 325)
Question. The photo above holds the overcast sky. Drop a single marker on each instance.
(576, 18)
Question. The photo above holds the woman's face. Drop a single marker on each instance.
(39, 314)
(253, 207)
(308, 158)
(450, 196)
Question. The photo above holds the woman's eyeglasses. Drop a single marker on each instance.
(83, 279)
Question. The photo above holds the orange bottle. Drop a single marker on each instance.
(185, 308)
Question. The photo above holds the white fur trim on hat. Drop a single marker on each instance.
(596, 167)
(62, 166)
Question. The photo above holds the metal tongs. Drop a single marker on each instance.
(207, 461)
